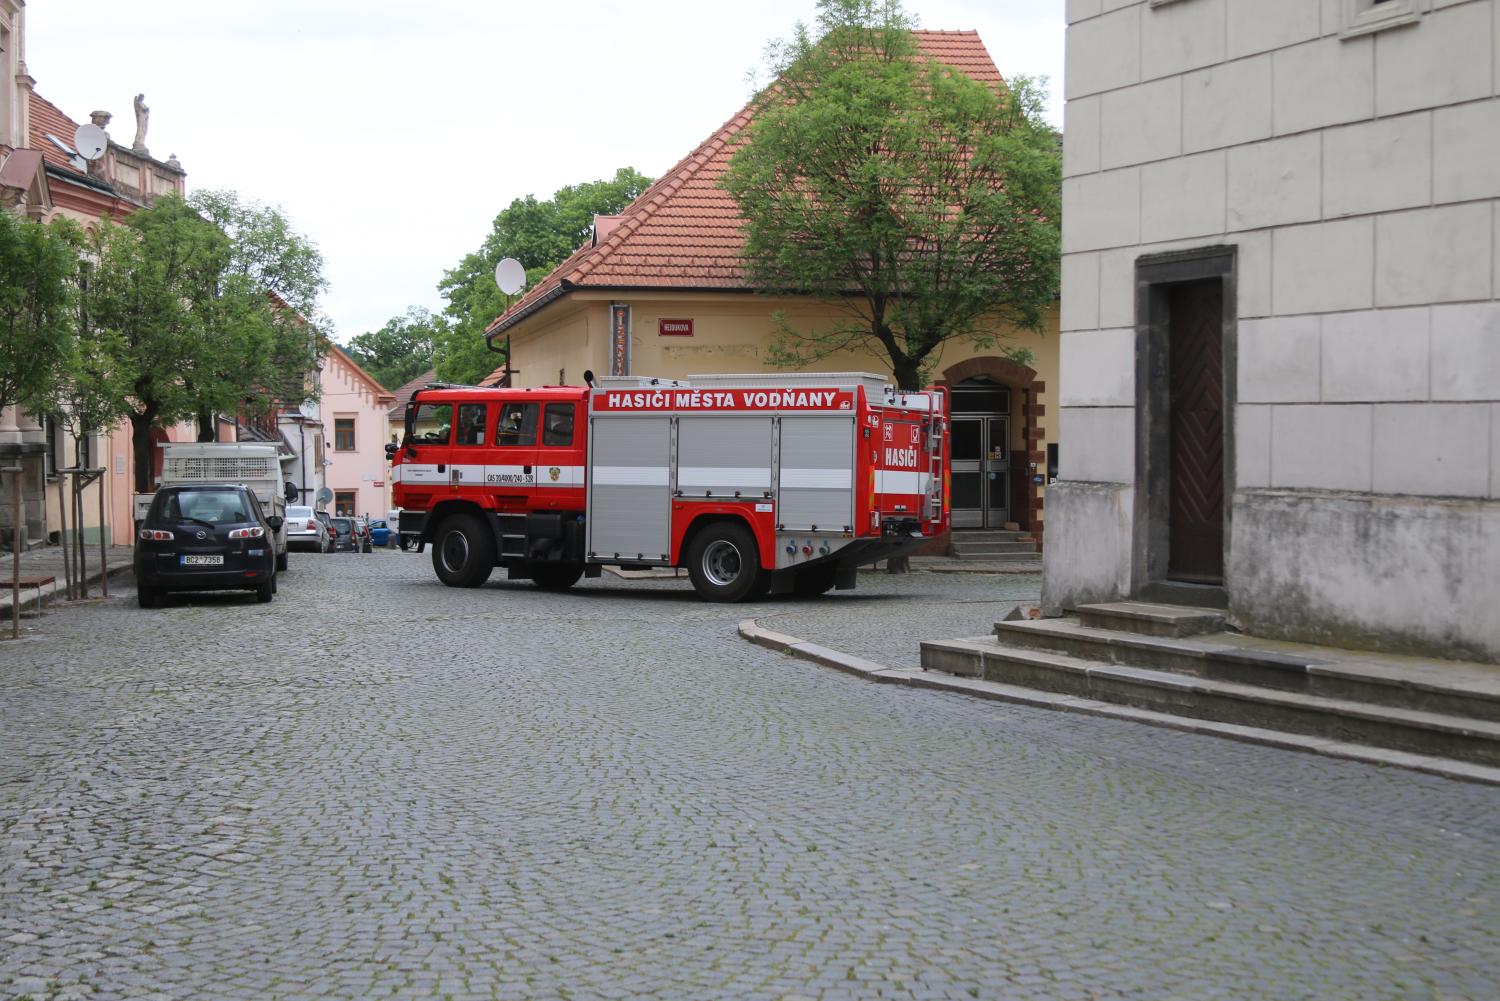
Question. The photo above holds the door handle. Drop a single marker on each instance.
(526, 470)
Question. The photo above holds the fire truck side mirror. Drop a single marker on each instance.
(391, 448)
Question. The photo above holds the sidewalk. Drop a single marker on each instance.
(48, 562)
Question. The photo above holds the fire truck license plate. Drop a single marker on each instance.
(203, 561)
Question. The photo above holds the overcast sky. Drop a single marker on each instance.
(392, 133)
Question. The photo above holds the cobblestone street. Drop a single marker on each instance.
(380, 787)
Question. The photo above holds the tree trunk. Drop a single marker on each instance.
(206, 430)
(907, 373)
(140, 445)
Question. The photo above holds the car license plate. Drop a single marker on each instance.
(203, 561)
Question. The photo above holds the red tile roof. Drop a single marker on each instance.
(683, 232)
(47, 118)
(404, 394)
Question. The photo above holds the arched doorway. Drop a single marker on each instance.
(981, 456)
(996, 436)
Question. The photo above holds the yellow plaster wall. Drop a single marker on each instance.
(731, 332)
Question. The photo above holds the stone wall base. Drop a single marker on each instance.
(31, 457)
(1087, 556)
(1406, 574)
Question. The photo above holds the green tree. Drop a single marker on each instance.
(539, 234)
(37, 321)
(401, 350)
(268, 256)
(185, 331)
(924, 203)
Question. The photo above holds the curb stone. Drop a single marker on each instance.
(1462, 771)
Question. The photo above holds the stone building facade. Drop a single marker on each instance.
(1280, 372)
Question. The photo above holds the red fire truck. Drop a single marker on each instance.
(754, 483)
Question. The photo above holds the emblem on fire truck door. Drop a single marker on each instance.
(890, 432)
(554, 472)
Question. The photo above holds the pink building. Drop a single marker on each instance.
(354, 409)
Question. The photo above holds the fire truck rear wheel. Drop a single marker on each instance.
(556, 576)
(724, 563)
(463, 551)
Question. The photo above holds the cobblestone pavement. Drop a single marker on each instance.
(379, 787)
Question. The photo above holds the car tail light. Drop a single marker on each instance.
(155, 535)
(248, 533)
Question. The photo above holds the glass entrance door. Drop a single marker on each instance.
(981, 472)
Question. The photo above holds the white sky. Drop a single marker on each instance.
(392, 133)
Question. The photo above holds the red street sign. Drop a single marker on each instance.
(674, 328)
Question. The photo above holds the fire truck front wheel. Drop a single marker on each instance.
(724, 563)
(463, 551)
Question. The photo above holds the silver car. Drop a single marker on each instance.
(305, 530)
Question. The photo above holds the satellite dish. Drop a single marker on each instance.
(91, 141)
(325, 495)
(510, 276)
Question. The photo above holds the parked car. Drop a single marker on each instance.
(380, 533)
(362, 535)
(305, 531)
(343, 535)
(205, 537)
(327, 520)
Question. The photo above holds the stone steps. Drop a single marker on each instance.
(1410, 730)
(1013, 556)
(994, 546)
(1181, 660)
(1230, 657)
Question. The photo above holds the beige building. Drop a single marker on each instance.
(43, 177)
(661, 292)
(1281, 340)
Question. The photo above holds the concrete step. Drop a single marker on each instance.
(1152, 620)
(993, 548)
(1414, 731)
(1017, 557)
(962, 535)
(1457, 690)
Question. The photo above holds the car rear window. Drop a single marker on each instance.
(217, 507)
(299, 512)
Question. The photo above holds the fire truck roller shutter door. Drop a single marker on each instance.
(630, 512)
(724, 456)
(817, 474)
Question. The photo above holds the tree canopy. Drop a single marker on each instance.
(37, 320)
(539, 234)
(925, 203)
(180, 315)
(401, 350)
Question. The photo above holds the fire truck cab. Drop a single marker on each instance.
(753, 483)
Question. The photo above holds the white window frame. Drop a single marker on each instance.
(1362, 17)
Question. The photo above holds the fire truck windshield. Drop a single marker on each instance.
(430, 423)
